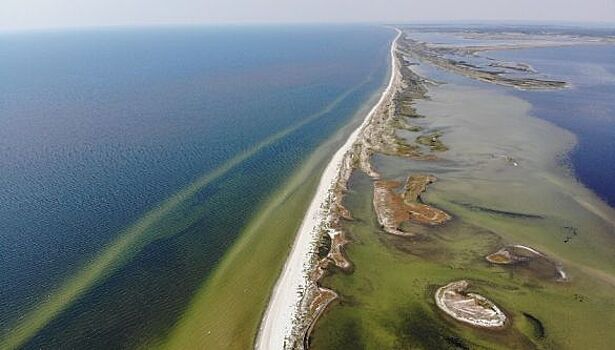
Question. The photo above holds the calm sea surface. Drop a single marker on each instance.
(587, 109)
(98, 128)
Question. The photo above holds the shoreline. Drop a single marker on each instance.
(513, 203)
(284, 306)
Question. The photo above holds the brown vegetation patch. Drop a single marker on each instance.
(322, 298)
(393, 209)
(338, 240)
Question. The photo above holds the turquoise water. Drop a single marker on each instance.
(98, 128)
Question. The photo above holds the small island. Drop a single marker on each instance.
(393, 209)
(532, 259)
(455, 300)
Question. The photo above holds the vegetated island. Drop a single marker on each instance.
(535, 261)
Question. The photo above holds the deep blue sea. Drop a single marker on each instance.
(587, 109)
(98, 127)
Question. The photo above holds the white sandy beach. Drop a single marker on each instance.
(277, 323)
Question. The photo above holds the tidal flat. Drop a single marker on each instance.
(503, 181)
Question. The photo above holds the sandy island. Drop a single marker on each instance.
(470, 308)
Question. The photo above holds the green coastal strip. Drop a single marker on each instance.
(226, 312)
(134, 238)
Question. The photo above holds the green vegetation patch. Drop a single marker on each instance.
(399, 123)
(432, 140)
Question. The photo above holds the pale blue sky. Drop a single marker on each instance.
(27, 14)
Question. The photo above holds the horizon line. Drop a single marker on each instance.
(571, 23)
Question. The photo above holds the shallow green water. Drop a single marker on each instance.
(135, 158)
(387, 302)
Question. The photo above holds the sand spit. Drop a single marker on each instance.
(470, 308)
(322, 298)
(529, 40)
(297, 301)
(397, 113)
(393, 209)
(458, 59)
(536, 261)
(393, 112)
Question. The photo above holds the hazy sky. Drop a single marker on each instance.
(25, 14)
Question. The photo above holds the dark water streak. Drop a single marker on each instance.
(99, 127)
(587, 109)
